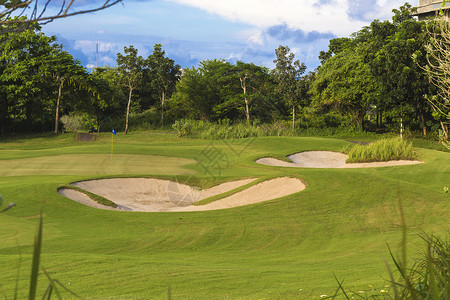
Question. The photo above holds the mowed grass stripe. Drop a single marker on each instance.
(95, 164)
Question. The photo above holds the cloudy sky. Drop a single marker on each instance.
(194, 30)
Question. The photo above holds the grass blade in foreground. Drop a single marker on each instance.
(35, 262)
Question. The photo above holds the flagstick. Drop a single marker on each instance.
(112, 144)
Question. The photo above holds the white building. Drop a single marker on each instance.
(430, 8)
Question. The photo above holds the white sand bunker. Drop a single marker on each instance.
(146, 194)
(327, 159)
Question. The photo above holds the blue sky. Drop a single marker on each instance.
(194, 30)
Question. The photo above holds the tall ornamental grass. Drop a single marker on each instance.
(382, 150)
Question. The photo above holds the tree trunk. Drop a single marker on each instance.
(57, 106)
(293, 117)
(162, 107)
(247, 113)
(424, 126)
(244, 88)
(128, 110)
(2, 127)
(444, 129)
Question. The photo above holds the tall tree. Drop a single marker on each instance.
(164, 73)
(403, 84)
(65, 71)
(288, 74)
(344, 83)
(254, 84)
(130, 67)
(438, 72)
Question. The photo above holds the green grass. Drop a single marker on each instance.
(93, 197)
(281, 249)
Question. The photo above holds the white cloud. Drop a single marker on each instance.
(313, 15)
(257, 38)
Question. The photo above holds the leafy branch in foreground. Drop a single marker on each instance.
(438, 71)
(11, 8)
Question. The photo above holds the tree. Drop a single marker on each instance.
(438, 71)
(65, 70)
(164, 74)
(130, 67)
(287, 74)
(344, 83)
(109, 94)
(403, 84)
(254, 84)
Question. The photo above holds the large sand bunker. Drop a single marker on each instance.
(146, 194)
(327, 159)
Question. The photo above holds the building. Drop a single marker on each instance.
(430, 8)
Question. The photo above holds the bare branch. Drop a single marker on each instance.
(39, 17)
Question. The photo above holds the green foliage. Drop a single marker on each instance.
(287, 74)
(182, 127)
(218, 89)
(344, 83)
(382, 150)
(164, 74)
(129, 67)
(78, 122)
(227, 131)
(72, 123)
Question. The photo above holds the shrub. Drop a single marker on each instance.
(182, 127)
(382, 150)
(72, 123)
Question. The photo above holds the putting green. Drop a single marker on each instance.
(95, 164)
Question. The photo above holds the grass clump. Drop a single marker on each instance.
(382, 150)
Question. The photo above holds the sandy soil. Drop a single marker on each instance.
(327, 159)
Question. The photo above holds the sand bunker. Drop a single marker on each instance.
(146, 194)
(327, 159)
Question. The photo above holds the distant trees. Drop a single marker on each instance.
(33, 68)
(287, 74)
(129, 67)
(374, 71)
(164, 74)
(219, 89)
(375, 68)
(344, 83)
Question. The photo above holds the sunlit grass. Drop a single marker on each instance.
(382, 150)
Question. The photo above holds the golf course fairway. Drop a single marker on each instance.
(285, 248)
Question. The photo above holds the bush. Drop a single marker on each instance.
(72, 123)
(382, 150)
(226, 131)
(182, 127)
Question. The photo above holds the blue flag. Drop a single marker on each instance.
(114, 132)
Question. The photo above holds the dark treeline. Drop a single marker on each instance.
(367, 81)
